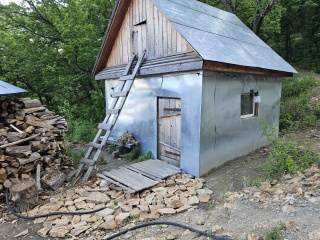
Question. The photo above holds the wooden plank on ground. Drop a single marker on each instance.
(130, 190)
(143, 173)
(134, 181)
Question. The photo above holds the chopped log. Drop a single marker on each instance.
(15, 136)
(30, 130)
(34, 156)
(39, 124)
(15, 164)
(4, 164)
(45, 113)
(19, 123)
(10, 120)
(53, 179)
(3, 177)
(32, 103)
(4, 113)
(11, 170)
(27, 168)
(2, 171)
(16, 129)
(4, 105)
(18, 151)
(37, 146)
(24, 194)
(20, 141)
(48, 159)
(7, 183)
(38, 184)
(33, 110)
(20, 114)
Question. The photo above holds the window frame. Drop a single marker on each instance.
(253, 114)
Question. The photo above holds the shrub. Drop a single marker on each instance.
(275, 233)
(296, 106)
(148, 156)
(135, 153)
(287, 156)
(81, 130)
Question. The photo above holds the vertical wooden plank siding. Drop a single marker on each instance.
(150, 30)
(159, 37)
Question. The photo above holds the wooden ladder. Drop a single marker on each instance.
(119, 98)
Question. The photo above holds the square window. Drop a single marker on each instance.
(247, 105)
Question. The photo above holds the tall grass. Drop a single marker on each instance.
(81, 130)
(299, 103)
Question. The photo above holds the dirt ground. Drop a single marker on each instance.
(237, 218)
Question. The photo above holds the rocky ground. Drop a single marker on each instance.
(223, 204)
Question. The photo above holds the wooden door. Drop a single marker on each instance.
(139, 37)
(169, 130)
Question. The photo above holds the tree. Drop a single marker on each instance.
(49, 47)
(254, 13)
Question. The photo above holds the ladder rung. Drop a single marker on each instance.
(105, 126)
(95, 145)
(113, 111)
(89, 162)
(125, 78)
(119, 94)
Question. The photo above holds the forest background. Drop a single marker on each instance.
(49, 47)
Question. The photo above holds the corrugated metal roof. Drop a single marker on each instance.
(6, 88)
(220, 36)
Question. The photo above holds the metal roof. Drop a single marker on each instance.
(6, 88)
(220, 36)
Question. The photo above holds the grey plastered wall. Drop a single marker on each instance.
(139, 114)
(224, 135)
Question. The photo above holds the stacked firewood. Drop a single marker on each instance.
(31, 137)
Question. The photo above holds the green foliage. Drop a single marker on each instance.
(148, 156)
(111, 148)
(49, 48)
(275, 233)
(287, 156)
(81, 130)
(101, 160)
(75, 156)
(135, 153)
(253, 182)
(297, 106)
(250, 10)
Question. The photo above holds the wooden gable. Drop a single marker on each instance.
(145, 28)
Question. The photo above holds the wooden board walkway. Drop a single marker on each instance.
(139, 176)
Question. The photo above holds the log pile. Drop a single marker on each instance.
(30, 136)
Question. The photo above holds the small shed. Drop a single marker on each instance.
(203, 87)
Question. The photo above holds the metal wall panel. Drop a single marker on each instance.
(224, 135)
(139, 114)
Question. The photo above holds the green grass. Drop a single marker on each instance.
(75, 156)
(287, 155)
(297, 107)
(81, 131)
(275, 233)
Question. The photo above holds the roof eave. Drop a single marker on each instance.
(118, 13)
(232, 68)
